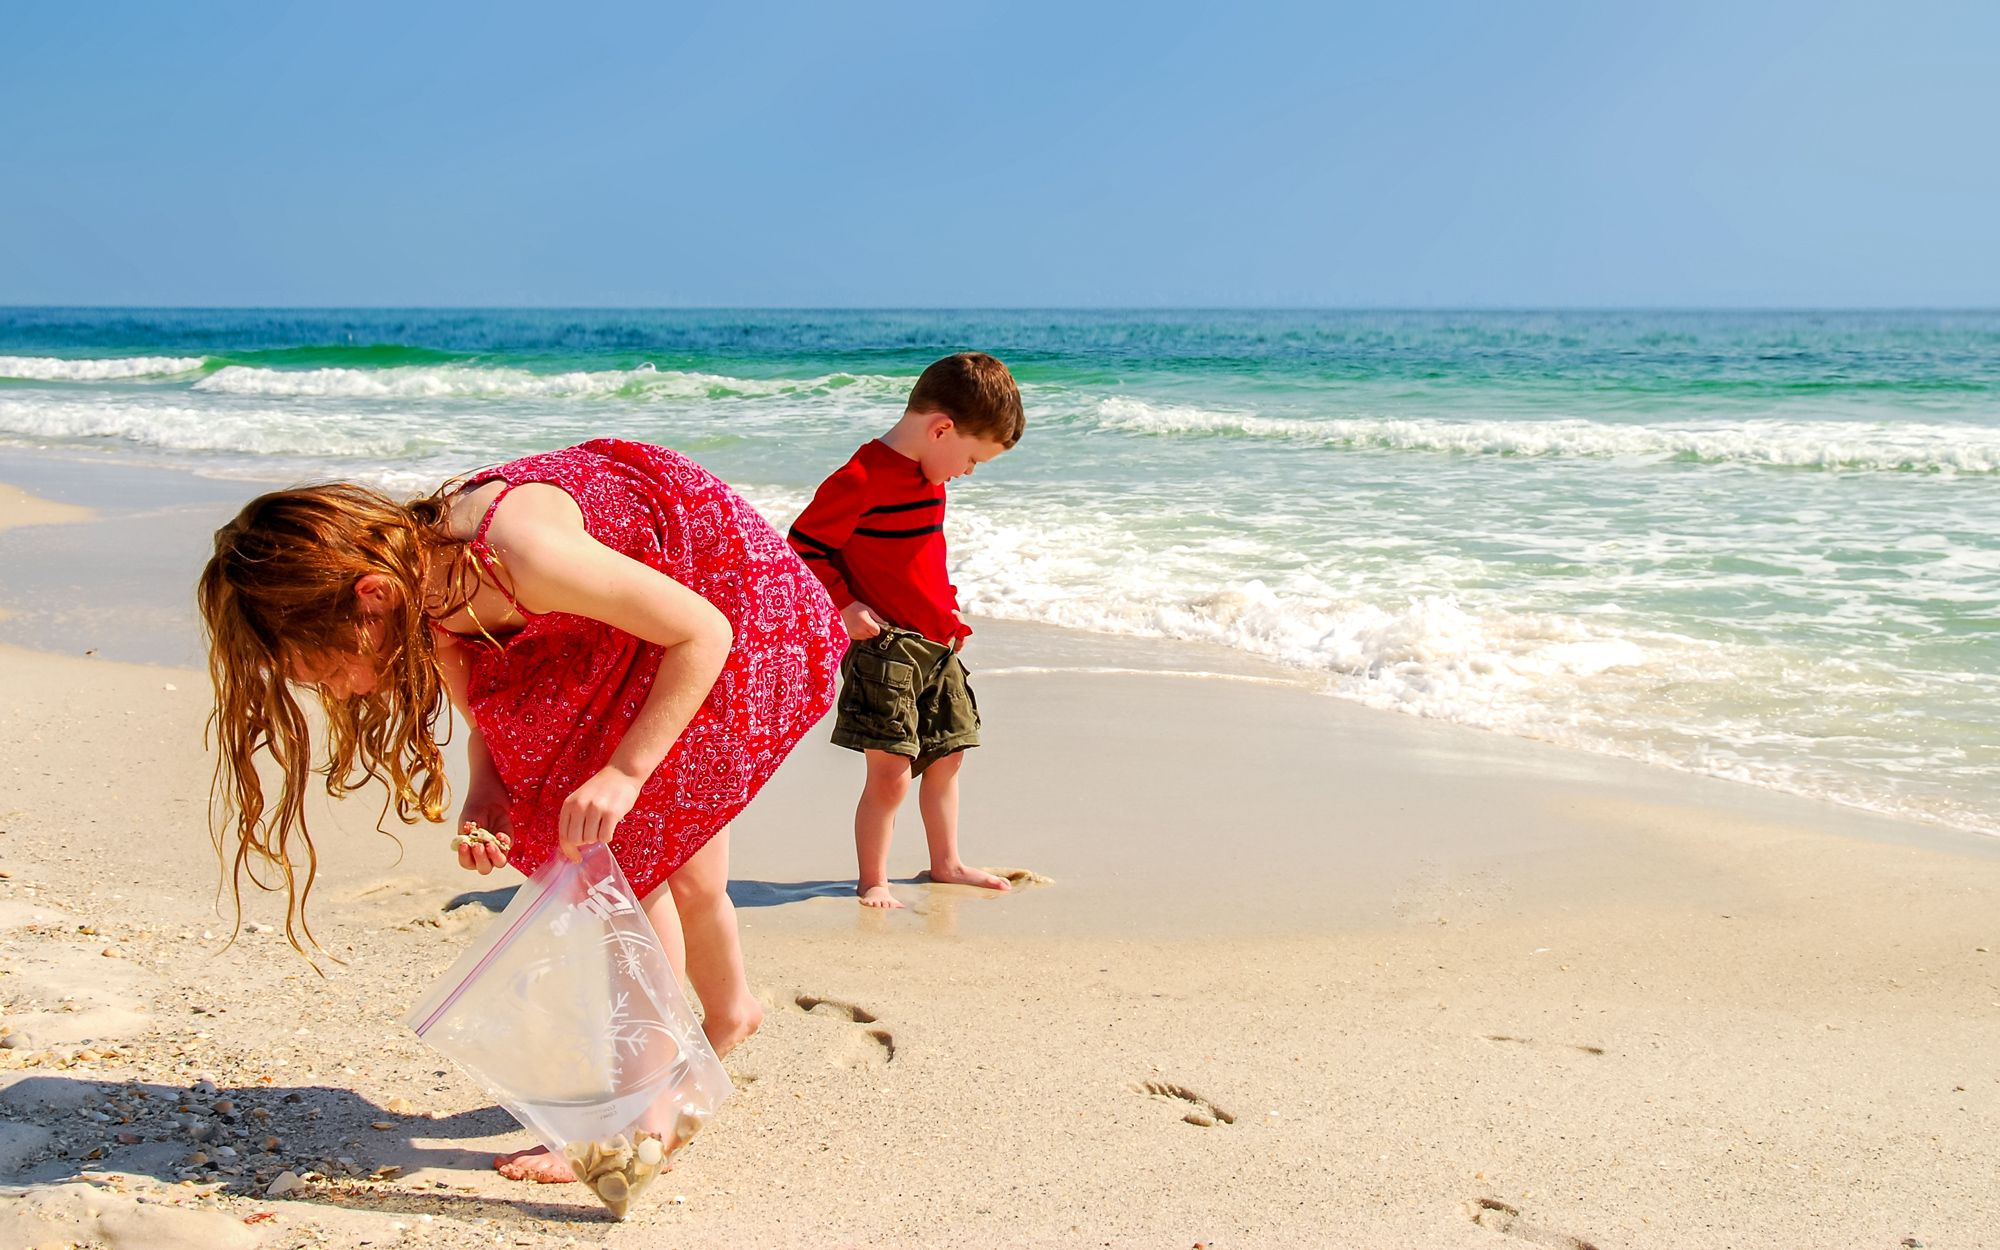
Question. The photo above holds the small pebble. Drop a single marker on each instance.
(112, 952)
(383, 1124)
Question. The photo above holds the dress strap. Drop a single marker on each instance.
(482, 551)
(486, 522)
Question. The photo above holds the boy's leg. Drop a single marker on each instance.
(875, 824)
(937, 798)
(538, 1163)
(700, 893)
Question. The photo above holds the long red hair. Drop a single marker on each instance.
(281, 586)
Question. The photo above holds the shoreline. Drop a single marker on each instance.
(1305, 973)
(140, 608)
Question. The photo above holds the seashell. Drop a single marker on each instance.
(689, 1122)
(650, 1152)
(613, 1188)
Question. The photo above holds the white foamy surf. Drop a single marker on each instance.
(1899, 447)
(112, 369)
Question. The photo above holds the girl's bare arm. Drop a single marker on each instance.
(556, 566)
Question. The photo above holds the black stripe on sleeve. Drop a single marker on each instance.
(921, 529)
(809, 541)
(815, 555)
(905, 507)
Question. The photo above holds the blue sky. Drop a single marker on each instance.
(1409, 155)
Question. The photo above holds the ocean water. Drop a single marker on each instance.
(1764, 546)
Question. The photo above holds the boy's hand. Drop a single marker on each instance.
(958, 643)
(860, 621)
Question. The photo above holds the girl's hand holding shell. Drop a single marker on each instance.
(480, 848)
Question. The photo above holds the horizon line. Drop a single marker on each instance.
(1024, 308)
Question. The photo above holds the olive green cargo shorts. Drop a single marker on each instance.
(904, 694)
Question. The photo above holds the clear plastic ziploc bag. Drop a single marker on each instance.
(568, 1012)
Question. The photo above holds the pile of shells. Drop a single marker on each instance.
(617, 1168)
(473, 835)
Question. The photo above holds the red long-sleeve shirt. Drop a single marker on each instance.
(874, 531)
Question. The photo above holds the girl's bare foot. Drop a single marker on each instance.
(879, 896)
(959, 874)
(539, 1164)
(726, 1030)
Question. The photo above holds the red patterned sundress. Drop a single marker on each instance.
(553, 699)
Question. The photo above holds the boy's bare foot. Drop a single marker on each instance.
(959, 874)
(726, 1030)
(879, 896)
(539, 1164)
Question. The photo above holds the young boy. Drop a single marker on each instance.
(874, 533)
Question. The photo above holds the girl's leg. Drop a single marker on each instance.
(699, 893)
(937, 798)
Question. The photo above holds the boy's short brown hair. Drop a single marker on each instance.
(976, 392)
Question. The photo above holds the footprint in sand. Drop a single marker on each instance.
(1498, 1217)
(870, 1046)
(1204, 1114)
(391, 889)
(1018, 877)
(876, 1046)
(1529, 1041)
(834, 1007)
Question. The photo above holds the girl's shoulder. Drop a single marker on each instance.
(517, 516)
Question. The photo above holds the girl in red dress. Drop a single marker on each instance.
(634, 649)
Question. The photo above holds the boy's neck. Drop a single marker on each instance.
(906, 437)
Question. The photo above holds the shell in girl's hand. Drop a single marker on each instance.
(473, 835)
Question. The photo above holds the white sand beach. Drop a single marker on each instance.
(1300, 974)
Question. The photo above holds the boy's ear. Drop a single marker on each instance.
(377, 593)
(938, 425)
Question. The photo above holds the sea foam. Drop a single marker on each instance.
(114, 369)
(185, 428)
(1902, 447)
(469, 381)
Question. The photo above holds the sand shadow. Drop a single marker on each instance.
(492, 900)
(778, 893)
(159, 1131)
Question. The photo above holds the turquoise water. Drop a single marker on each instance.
(1764, 546)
